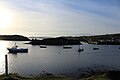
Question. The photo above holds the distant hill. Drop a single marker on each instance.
(104, 37)
(95, 39)
(55, 41)
(14, 38)
(109, 39)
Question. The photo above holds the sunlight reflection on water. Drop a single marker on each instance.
(55, 59)
(3, 51)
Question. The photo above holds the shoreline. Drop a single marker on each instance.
(100, 75)
(106, 39)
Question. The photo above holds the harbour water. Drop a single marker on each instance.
(56, 60)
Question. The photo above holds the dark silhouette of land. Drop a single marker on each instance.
(55, 41)
(14, 38)
(108, 39)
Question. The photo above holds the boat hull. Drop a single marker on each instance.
(17, 50)
(43, 46)
(95, 48)
(80, 50)
(67, 47)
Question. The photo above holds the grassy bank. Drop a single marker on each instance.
(109, 75)
(40, 77)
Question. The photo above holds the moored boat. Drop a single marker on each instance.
(67, 47)
(15, 49)
(95, 48)
(43, 46)
(79, 50)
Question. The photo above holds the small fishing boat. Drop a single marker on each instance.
(95, 48)
(43, 46)
(80, 49)
(15, 49)
(67, 47)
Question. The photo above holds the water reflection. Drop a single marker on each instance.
(3, 51)
(55, 59)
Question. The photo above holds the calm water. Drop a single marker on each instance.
(55, 59)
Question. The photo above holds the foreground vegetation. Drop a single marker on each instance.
(40, 77)
(110, 75)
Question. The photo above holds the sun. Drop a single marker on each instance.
(5, 18)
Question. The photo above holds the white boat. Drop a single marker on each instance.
(15, 49)
(80, 49)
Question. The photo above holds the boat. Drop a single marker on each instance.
(43, 46)
(15, 49)
(67, 47)
(80, 49)
(95, 48)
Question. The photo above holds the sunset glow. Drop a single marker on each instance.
(6, 18)
(59, 17)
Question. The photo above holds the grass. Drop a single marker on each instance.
(96, 77)
(110, 75)
(40, 77)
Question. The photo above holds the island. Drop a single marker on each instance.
(55, 41)
(14, 38)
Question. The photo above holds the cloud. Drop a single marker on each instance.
(75, 16)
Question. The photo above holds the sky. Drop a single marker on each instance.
(59, 17)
